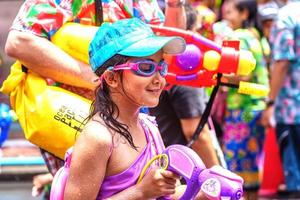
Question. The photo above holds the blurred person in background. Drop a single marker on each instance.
(284, 96)
(271, 164)
(243, 136)
(267, 13)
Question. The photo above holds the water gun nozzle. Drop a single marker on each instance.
(253, 89)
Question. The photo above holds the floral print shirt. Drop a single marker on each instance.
(285, 43)
(45, 17)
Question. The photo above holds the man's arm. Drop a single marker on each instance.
(44, 58)
(175, 14)
(203, 146)
(279, 70)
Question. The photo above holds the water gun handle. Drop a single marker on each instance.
(186, 163)
(215, 182)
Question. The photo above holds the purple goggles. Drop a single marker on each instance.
(145, 67)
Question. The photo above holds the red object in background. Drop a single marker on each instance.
(272, 175)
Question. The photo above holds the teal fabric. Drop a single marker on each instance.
(285, 43)
(129, 37)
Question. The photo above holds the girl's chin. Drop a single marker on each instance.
(151, 104)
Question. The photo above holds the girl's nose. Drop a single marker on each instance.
(157, 78)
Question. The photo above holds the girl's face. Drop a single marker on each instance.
(233, 16)
(143, 90)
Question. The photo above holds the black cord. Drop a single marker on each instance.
(98, 12)
(206, 112)
(229, 85)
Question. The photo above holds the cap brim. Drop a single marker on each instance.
(151, 45)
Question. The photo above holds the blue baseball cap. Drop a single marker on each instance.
(129, 37)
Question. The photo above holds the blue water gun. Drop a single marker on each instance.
(7, 116)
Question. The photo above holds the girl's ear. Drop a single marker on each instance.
(111, 78)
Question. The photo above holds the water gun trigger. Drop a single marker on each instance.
(211, 188)
(163, 161)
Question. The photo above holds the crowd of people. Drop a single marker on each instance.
(269, 29)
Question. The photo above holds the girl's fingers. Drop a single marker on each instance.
(169, 191)
(169, 174)
(170, 181)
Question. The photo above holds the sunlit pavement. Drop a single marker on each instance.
(16, 191)
(19, 162)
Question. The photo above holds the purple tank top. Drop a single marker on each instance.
(116, 183)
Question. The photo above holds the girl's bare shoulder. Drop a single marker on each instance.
(96, 133)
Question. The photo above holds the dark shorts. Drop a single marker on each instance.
(288, 137)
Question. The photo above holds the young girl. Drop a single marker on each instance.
(118, 141)
(243, 136)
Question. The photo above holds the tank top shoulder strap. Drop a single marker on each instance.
(150, 122)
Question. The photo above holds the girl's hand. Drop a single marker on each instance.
(157, 183)
(201, 196)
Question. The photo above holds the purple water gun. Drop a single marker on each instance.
(216, 182)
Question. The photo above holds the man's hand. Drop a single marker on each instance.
(266, 117)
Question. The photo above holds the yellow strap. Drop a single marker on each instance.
(150, 162)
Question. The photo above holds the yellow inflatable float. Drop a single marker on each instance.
(49, 115)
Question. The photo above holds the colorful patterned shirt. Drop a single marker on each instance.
(285, 41)
(44, 17)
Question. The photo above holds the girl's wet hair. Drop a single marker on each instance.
(104, 106)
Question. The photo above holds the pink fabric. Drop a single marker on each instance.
(119, 182)
(60, 178)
